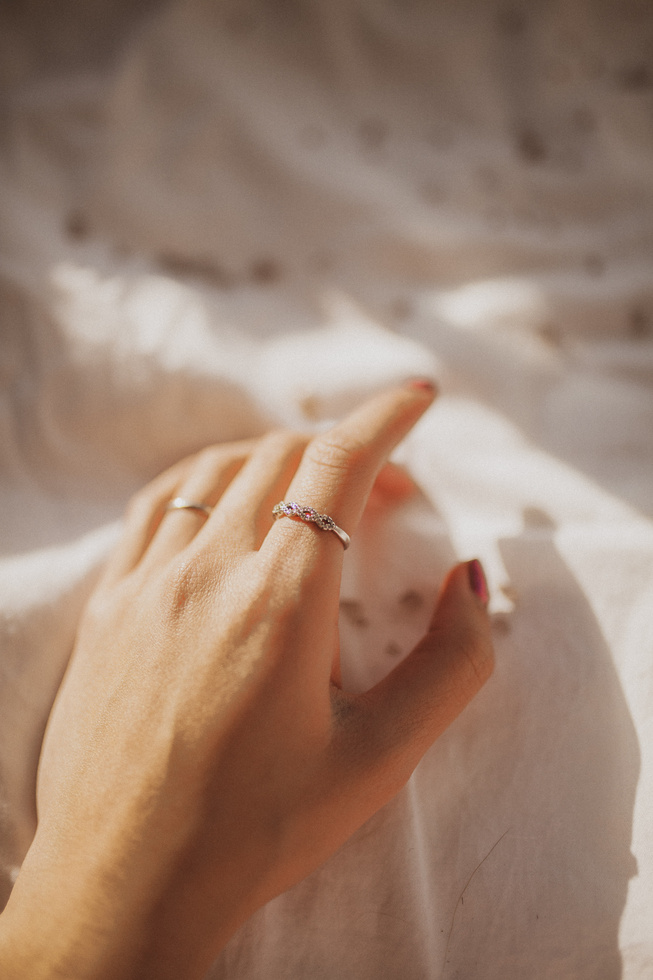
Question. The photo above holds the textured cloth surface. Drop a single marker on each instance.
(219, 217)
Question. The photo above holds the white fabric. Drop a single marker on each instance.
(221, 216)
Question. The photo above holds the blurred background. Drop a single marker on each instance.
(217, 216)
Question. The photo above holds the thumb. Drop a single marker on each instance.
(413, 705)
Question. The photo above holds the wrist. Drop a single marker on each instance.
(78, 918)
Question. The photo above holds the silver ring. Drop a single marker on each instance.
(180, 503)
(324, 522)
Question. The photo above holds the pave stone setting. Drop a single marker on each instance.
(289, 508)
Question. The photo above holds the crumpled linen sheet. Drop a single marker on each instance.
(219, 217)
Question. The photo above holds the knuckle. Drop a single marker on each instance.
(283, 441)
(476, 659)
(149, 497)
(209, 457)
(184, 585)
(143, 502)
(336, 454)
(470, 659)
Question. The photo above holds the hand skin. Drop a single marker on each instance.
(201, 756)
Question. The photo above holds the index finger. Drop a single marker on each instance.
(338, 468)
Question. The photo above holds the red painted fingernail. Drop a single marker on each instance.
(477, 580)
(423, 384)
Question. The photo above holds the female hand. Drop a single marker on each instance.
(201, 756)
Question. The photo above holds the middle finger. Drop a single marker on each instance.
(244, 514)
(339, 467)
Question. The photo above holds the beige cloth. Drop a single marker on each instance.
(223, 216)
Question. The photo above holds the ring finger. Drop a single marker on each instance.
(210, 474)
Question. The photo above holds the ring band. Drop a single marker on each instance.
(324, 522)
(180, 503)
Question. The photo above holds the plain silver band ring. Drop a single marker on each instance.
(180, 503)
(290, 508)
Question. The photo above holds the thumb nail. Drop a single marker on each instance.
(477, 580)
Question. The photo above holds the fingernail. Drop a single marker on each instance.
(477, 580)
(423, 384)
